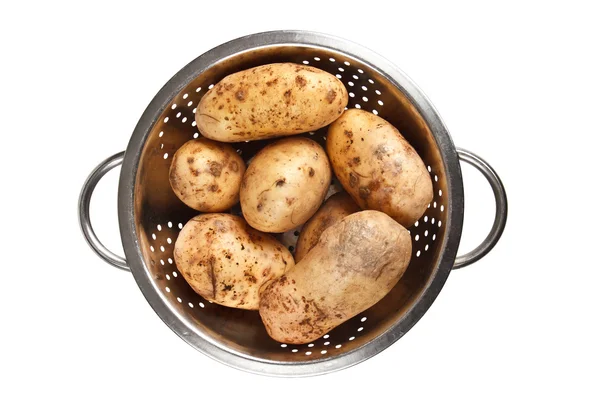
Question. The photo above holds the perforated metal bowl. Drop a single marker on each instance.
(151, 216)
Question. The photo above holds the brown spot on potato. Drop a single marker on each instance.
(364, 192)
(287, 95)
(300, 81)
(250, 277)
(190, 160)
(356, 160)
(380, 151)
(211, 275)
(374, 185)
(272, 82)
(234, 166)
(311, 172)
(259, 206)
(331, 95)
(353, 179)
(240, 95)
(221, 106)
(280, 182)
(290, 201)
(226, 287)
(348, 133)
(215, 168)
(213, 188)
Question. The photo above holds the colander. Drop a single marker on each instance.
(151, 216)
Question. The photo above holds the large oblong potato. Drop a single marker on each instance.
(285, 184)
(336, 207)
(226, 261)
(354, 265)
(270, 101)
(378, 167)
(207, 175)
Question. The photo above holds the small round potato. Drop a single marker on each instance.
(336, 207)
(285, 184)
(354, 265)
(226, 261)
(378, 167)
(270, 101)
(206, 175)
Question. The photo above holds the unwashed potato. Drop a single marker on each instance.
(336, 207)
(269, 101)
(207, 175)
(285, 184)
(226, 261)
(378, 167)
(354, 265)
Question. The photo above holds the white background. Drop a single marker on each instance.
(517, 83)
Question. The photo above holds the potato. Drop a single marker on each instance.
(226, 261)
(270, 101)
(207, 175)
(336, 207)
(378, 167)
(356, 262)
(285, 184)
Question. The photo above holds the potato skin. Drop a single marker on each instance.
(207, 175)
(285, 184)
(336, 207)
(354, 265)
(378, 167)
(269, 101)
(226, 261)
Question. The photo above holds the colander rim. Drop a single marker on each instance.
(126, 203)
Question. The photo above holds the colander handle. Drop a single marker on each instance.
(84, 212)
(501, 209)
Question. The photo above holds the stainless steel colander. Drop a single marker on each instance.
(151, 216)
